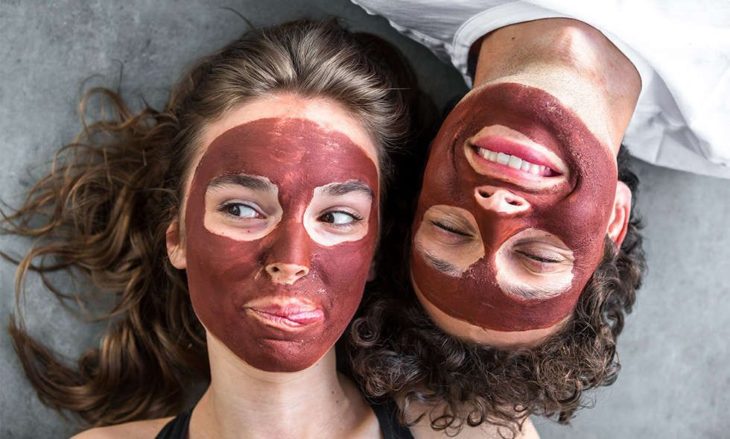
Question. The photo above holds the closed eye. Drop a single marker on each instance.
(538, 258)
(450, 229)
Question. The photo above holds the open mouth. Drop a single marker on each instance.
(505, 154)
(515, 162)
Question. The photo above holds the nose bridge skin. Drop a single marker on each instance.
(289, 255)
(501, 201)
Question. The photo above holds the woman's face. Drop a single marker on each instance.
(280, 225)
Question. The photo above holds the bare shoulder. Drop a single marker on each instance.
(129, 430)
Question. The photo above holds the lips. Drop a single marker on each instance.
(509, 155)
(285, 313)
(515, 162)
(508, 152)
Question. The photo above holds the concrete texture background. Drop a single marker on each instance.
(675, 382)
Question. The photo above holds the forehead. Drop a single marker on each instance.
(290, 152)
(326, 113)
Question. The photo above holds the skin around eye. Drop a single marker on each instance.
(240, 210)
(450, 228)
(450, 234)
(236, 216)
(339, 221)
(537, 265)
(448, 239)
(542, 257)
(241, 213)
(340, 218)
(339, 213)
(534, 264)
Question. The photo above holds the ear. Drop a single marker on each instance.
(618, 225)
(175, 246)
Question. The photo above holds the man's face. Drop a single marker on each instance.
(281, 222)
(521, 185)
(513, 214)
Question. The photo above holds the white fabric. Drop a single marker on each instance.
(680, 48)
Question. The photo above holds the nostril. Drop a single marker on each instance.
(301, 272)
(274, 269)
(499, 200)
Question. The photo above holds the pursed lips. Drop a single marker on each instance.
(288, 313)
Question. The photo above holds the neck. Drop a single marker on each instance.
(244, 402)
(570, 60)
(486, 430)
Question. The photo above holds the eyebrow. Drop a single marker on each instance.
(248, 181)
(442, 265)
(336, 189)
(536, 293)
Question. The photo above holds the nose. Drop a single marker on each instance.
(286, 274)
(288, 259)
(500, 201)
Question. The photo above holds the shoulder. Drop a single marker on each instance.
(129, 430)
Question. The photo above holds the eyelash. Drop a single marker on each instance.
(355, 218)
(450, 229)
(225, 208)
(538, 258)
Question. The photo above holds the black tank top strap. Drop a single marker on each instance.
(387, 414)
(177, 428)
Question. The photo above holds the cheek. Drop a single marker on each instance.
(216, 268)
(343, 270)
(346, 265)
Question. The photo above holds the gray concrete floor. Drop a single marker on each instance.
(675, 378)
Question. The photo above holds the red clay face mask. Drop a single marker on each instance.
(281, 225)
(513, 213)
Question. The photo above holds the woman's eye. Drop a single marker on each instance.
(240, 210)
(339, 218)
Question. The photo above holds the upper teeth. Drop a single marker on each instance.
(513, 162)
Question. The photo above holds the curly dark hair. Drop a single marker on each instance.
(398, 352)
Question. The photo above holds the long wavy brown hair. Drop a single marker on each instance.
(397, 352)
(103, 209)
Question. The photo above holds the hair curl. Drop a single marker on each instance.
(104, 208)
(398, 352)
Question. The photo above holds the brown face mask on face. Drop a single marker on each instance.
(281, 225)
(513, 213)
